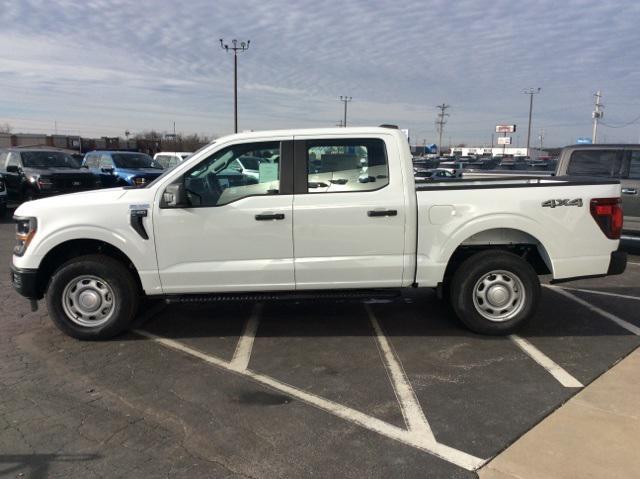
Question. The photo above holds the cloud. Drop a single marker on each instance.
(103, 66)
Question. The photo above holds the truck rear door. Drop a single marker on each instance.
(349, 213)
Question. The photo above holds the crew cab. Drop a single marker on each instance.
(619, 162)
(31, 173)
(334, 212)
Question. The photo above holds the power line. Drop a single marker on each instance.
(635, 120)
(235, 48)
(597, 114)
(530, 92)
(441, 121)
(345, 100)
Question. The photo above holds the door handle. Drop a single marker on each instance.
(629, 191)
(372, 213)
(270, 216)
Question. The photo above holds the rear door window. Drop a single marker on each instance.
(599, 163)
(634, 165)
(346, 165)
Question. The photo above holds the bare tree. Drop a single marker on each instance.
(5, 128)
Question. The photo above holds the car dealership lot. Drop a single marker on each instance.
(326, 388)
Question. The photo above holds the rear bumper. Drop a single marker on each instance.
(25, 282)
(617, 265)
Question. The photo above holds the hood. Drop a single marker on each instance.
(138, 172)
(85, 198)
(55, 171)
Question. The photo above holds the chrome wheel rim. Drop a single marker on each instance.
(499, 296)
(88, 301)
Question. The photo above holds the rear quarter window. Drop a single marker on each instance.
(599, 163)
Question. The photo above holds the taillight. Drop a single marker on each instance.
(608, 214)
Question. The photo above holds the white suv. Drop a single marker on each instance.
(169, 159)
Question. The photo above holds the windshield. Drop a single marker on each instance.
(134, 160)
(48, 159)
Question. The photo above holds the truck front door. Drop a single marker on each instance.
(348, 214)
(236, 232)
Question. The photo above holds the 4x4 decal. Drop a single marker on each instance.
(567, 202)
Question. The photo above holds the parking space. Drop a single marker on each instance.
(392, 388)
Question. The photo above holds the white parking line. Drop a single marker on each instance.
(413, 414)
(242, 354)
(634, 264)
(411, 438)
(563, 377)
(603, 293)
(619, 321)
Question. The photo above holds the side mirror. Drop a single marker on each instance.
(84, 166)
(106, 170)
(175, 196)
(13, 169)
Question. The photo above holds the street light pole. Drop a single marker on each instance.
(235, 48)
(345, 100)
(530, 92)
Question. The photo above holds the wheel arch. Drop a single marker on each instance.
(515, 240)
(69, 249)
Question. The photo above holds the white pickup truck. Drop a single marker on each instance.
(331, 212)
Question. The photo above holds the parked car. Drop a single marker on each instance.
(35, 173)
(169, 159)
(122, 168)
(361, 224)
(250, 165)
(619, 162)
(436, 174)
(3, 197)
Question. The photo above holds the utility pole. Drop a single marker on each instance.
(441, 121)
(345, 100)
(235, 48)
(530, 92)
(541, 137)
(597, 114)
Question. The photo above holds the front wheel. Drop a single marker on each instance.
(92, 297)
(494, 292)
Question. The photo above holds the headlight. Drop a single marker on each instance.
(45, 183)
(25, 230)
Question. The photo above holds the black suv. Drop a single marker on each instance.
(35, 173)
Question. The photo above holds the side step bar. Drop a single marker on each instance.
(284, 296)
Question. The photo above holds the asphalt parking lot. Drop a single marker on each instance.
(325, 389)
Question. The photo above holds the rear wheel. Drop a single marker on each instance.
(92, 297)
(494, 292)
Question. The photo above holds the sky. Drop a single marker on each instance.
(100, 67)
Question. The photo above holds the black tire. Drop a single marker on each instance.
(105, 277)
(516, 283)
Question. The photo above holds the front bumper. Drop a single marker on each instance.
(25, 282)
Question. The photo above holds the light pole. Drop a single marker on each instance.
(530, 92)
(345, 100)
(235, 48)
